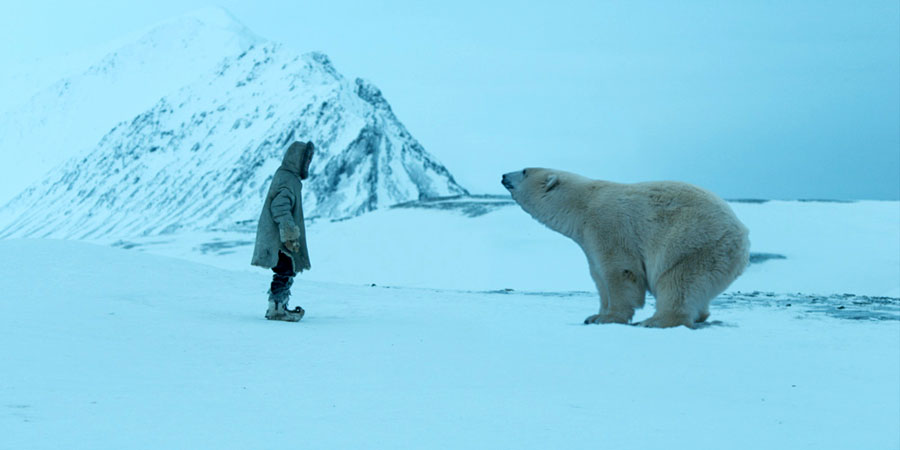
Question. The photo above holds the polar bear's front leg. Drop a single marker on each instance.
(620, 293)
(602, 316)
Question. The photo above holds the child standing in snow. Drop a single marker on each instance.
(281, 235)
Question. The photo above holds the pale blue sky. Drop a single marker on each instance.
(766, 99)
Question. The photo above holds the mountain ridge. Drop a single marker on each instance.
(201, 157)
(69, 116)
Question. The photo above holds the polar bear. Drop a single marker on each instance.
(681, 243)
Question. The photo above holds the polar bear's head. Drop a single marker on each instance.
(548, 195)
(529, 183)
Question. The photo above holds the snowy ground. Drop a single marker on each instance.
(102, 347)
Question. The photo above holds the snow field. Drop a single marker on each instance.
(108, 348)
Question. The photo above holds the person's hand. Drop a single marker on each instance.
(290, 236)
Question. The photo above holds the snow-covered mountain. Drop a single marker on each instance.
(202, 157)
(69, 116)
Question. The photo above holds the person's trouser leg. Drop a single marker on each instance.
(284, 275)
(280, 291)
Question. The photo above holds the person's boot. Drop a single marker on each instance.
(278, 308)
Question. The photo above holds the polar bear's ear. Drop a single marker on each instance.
(552, 181)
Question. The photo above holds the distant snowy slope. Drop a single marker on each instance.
(70, 116)
(202, 157)
(817, 248)
(22, 79)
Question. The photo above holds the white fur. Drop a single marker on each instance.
(679, 242)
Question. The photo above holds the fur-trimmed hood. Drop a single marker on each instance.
(297, 158)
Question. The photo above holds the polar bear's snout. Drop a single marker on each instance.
(512, 179)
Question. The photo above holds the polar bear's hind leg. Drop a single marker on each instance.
(683, 292)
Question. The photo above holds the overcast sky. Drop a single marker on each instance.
(762, 99)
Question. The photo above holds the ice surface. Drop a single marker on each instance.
(112, 348)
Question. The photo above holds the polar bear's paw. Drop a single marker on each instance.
(604, 318)
(667, 321)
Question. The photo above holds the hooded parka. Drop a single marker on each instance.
(282, 213)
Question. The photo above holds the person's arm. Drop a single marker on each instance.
(282, 205)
